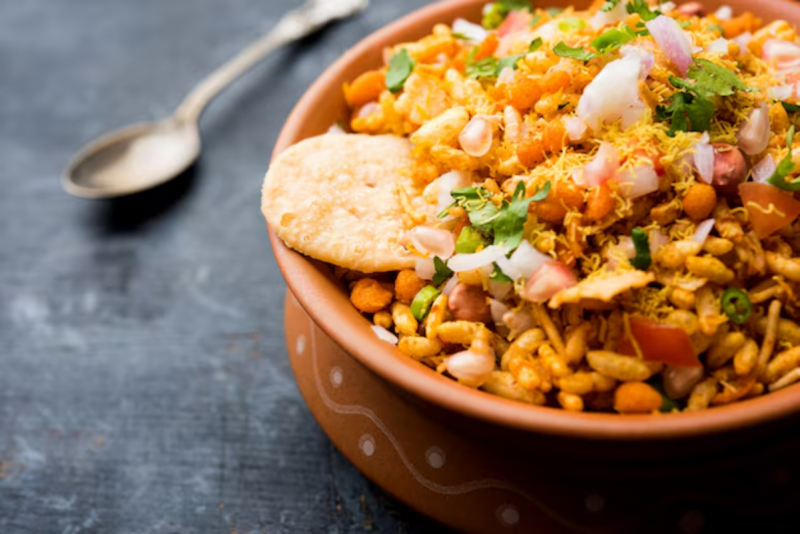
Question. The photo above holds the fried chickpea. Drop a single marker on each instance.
(369, 296)
(637, 397)
(554, 136)
(530, 151)
(524, 92)
(600, 202)
(699, 201)
(564, 196)
(407, 285)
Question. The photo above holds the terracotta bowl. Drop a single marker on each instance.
(547, 443)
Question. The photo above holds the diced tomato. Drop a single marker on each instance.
(516, 21)
(768, 220)
(660, 343)
(487, 47)
(549, 279)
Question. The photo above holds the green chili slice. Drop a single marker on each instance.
(422, 302)
(469, 240)
(736, 305)
(641, 242)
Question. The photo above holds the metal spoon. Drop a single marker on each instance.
(145, 155)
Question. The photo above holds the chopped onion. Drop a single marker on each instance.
(450, 285)
(527, 260)
(781, 92)
(780, 51)
(474, 33)
(468, 262)
(424, 268)
(633, 114)
(447, 182)
(335, 130)
(509, 268)
(626, 246)
(506, 76)
(764, 169)
(665, 7)
(645, 56)
(433, 241)
(724, 13)
(498, 310)
(671, 38)
(548, 280)
(575, 128)
(637, 181)
(384, 334)
(702, 231)
(611, 92)
(602, 167)
(499, 290)
(657, 239)
(368, 109)
(470, 368)
(787, 67)
(754, 135)
(604, 18)
(719, 46)
(743, 40)
(476, 137)
(704, 161)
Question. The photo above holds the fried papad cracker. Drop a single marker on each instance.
(336, 198)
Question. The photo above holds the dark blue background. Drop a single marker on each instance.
(144, 385)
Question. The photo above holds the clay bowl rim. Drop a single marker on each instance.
(330, 308)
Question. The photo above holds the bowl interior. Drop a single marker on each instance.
(325, 301)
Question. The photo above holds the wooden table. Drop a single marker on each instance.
(144, 385)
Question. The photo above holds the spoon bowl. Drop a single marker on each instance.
(146, 155)
(133, 159)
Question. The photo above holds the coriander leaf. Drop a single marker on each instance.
(571, 23)
(461, 36)
(687, 113)
(553, 11)
(790, 108)
(498, 275)
(641, 7)
(535, 45)
(611, 39)
(443, 272)
(711, 79)
(483, 68)
(542, 193)
(717, 27)
(563, 105)
(509, 61)
(564, 50)
(609, 5)
(535, 20)
(685, 24)
(785, 167)
(641, 242)
(475, 201)
(510, 220)
(400, 67)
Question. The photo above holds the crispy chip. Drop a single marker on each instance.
(335, 198)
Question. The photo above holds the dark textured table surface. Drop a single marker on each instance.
(144, 384)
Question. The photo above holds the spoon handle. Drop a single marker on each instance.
(295, 25)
